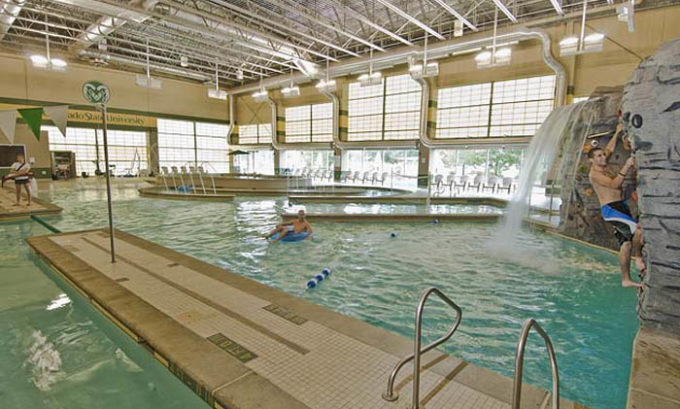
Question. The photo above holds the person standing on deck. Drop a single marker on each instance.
(20, 173)
(615, 211)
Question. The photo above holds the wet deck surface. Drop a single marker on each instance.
(9, 210)
(241, 344)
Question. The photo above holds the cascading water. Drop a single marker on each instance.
(542, 150)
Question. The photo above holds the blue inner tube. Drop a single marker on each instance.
(290, 236)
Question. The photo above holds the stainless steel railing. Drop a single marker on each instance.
(519, 364)
(390, 395)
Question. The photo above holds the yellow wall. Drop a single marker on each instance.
(20, 80)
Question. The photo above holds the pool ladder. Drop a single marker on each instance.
(519, 364)
(390, 395)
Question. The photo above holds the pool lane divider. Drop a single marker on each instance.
(317, 279)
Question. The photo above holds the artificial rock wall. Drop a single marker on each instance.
(651, 107)
(580, 213)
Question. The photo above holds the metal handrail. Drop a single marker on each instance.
(390, 395)
(519, 364)
(212, 178)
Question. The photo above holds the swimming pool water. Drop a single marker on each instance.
(57, 352)
(573, 291)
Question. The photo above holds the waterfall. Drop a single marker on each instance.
(542, 149)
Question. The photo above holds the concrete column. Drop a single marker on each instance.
(343, 122)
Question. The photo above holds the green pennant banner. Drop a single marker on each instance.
(33, 118)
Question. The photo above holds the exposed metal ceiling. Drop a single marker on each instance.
(247, 40)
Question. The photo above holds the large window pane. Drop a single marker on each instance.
(499, 109)
(260, 162)
(309, 123)
(127, 149)
(389, 110)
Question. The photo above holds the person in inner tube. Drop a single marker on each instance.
(21, 173)
(299, 225)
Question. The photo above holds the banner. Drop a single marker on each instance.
(8, 121)
(59, 115)
(33, 118)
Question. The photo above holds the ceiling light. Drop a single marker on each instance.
(291, 91)
(148, 82)
(217, 93)
(373, 78)
(458, 28)
(239, 74)
(487, 58)
(594, 38)
(430, 70)
(39, 60)
(184, 61)
(58, 63)
(327, 86)
(483, 57)
(261, 95)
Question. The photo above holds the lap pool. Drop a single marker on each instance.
(572, 290)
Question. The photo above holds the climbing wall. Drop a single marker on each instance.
(580, 213)
(651, 107)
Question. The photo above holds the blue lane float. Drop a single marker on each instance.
(290, 236)
(393, 234)
(319, 278)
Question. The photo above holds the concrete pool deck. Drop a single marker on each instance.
(10, 212)
(241, 344)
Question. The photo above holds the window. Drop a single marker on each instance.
(261, 162)
(495, 109)
(127, 149)
(489, 162)
(389, 110)
(400, 166)
(309, 123)
(176, 144)
(254, 134)
(192, 144)
(212, 146)
(312, 159)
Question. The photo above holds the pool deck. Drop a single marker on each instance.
(395, 217)
(9, 212)
(156, 193)
(241, 344)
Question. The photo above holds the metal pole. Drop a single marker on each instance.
(108, 184)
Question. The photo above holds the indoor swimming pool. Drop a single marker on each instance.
(572, 290)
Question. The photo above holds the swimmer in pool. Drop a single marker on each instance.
(298, 225)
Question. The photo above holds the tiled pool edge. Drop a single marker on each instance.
(153, 192)
(77, 275)
(220, 377)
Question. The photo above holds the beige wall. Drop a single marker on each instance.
(20, 80)
(40, 150)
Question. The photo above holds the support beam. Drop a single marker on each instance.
(456, 14)
(410, 18)
(502, 8)
(557, 6)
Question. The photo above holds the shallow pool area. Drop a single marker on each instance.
(58, 352)
(572, 290)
